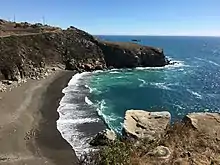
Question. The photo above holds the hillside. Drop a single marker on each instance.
(12, 28)
(27, 50)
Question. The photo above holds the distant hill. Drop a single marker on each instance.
(13, 28)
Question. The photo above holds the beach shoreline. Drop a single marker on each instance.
(28, 132)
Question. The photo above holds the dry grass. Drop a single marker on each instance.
(8, 28)
(187, 146)
(126, 45)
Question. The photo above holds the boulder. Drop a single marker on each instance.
(208, 123)
(71, 64)
(99, 67)
(140, 124)
(161, 152)
(104, 138)
(7, 82)
(88, 67)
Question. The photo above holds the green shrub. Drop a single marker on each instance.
(119, 153)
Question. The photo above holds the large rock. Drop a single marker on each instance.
(161, 152)
(130, 55)
(145, 125)
(208, 123)
(71, 64)
(103, 138)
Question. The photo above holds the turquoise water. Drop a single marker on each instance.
(191, 85)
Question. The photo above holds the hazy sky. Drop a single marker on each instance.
(125, 17)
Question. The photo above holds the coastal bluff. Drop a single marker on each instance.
(30, 50)
(151, 138)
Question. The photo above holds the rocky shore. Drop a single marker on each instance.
(152, 139)
(31, 51)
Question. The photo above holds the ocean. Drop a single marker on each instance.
(94, 101)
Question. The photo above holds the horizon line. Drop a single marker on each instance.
(137, 35)
(140, 35)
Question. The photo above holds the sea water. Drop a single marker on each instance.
(190, 85)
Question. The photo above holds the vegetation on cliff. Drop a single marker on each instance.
(195, 140)
(26, 50)
(186, 146)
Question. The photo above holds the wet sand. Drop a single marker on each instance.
(28, 133)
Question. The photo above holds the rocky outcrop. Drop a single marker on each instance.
(29, 55)
(130, 55)
(194, 140)
(206, 123)
(161, 152)
(104, 138)
(25, 54)
(145, 125)
(81, 51)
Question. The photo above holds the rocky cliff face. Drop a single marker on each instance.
(141, 124)
(27, 55)
(130, 55)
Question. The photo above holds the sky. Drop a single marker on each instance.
(121, 17)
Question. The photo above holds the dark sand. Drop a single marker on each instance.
(28, 133)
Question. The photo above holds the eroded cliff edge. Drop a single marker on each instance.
(28, 54)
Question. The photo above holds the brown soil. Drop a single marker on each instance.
(28, 133)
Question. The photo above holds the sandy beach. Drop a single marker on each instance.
(28, 133)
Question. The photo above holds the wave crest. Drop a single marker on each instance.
(197, 95)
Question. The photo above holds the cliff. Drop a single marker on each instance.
(130, 55)
(27, 51)
(149, 138)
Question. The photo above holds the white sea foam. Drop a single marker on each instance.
(90, 89)
(208, 61)
(213, 95)
(89, 102)
(197, 95)
(78, 121)
(114, 72)
(201, 59)
(100, 108)
(98, 71)
(178, 106)
(176, 64)
(216, 51)
(162, 86)
(76, 78)
(114, 69)
(214, 63)
(108, 118)
(71, 116)
(143, 81)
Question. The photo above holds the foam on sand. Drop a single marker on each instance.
(75, 111)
